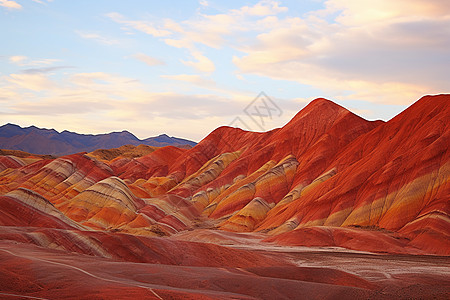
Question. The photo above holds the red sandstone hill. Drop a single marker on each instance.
(328, 178)
(326, 169)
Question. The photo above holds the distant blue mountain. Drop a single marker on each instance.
(49, 141)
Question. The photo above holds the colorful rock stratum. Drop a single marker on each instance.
(330, 206)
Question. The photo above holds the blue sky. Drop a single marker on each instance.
(186, 67)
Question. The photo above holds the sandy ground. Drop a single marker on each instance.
(405, 276)
(31, 272)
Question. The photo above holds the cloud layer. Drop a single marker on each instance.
(199, 70)
(381, 51)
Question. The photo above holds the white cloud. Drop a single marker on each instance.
(383, 51)
(209, 30)
(360, 13)
(388, 51)
(350, 48)
(143, 26)
(151, 61)
(391, 46)
(44, 69)
(10, 4)
(98, 102)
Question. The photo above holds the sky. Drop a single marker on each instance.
(187, 67)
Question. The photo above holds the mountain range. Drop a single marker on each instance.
(328, 206)
(49, 141)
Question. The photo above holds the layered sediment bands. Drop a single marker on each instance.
(222, 140)
(24, 207)
(301, 190)
(235, 196)
(82, 192)
(154, 164)
(429, 232)
(271, 181)
(57, 180)
(11, 179)
(107, 203)
(171, 213)
(137, 248)
(153, 187)
(327, 169)
(207, 173)
(247, 218)
(10, 162)
(409, 201)
(400, 173)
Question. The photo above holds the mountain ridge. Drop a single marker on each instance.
(49, 141)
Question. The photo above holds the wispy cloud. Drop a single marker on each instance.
(139, 25)
(195, 79)
(151, 61)
(22, 60)
(97, 37)
(17, 59)
(45, 70)
(42, 1)
(32, 82)
(203, 3)
(10, 4)
(263, 8)
(209, 30)
(58, 107)
(200, 62)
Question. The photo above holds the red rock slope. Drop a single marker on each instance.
(395, 178)
(326, 169)
(327, 178)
